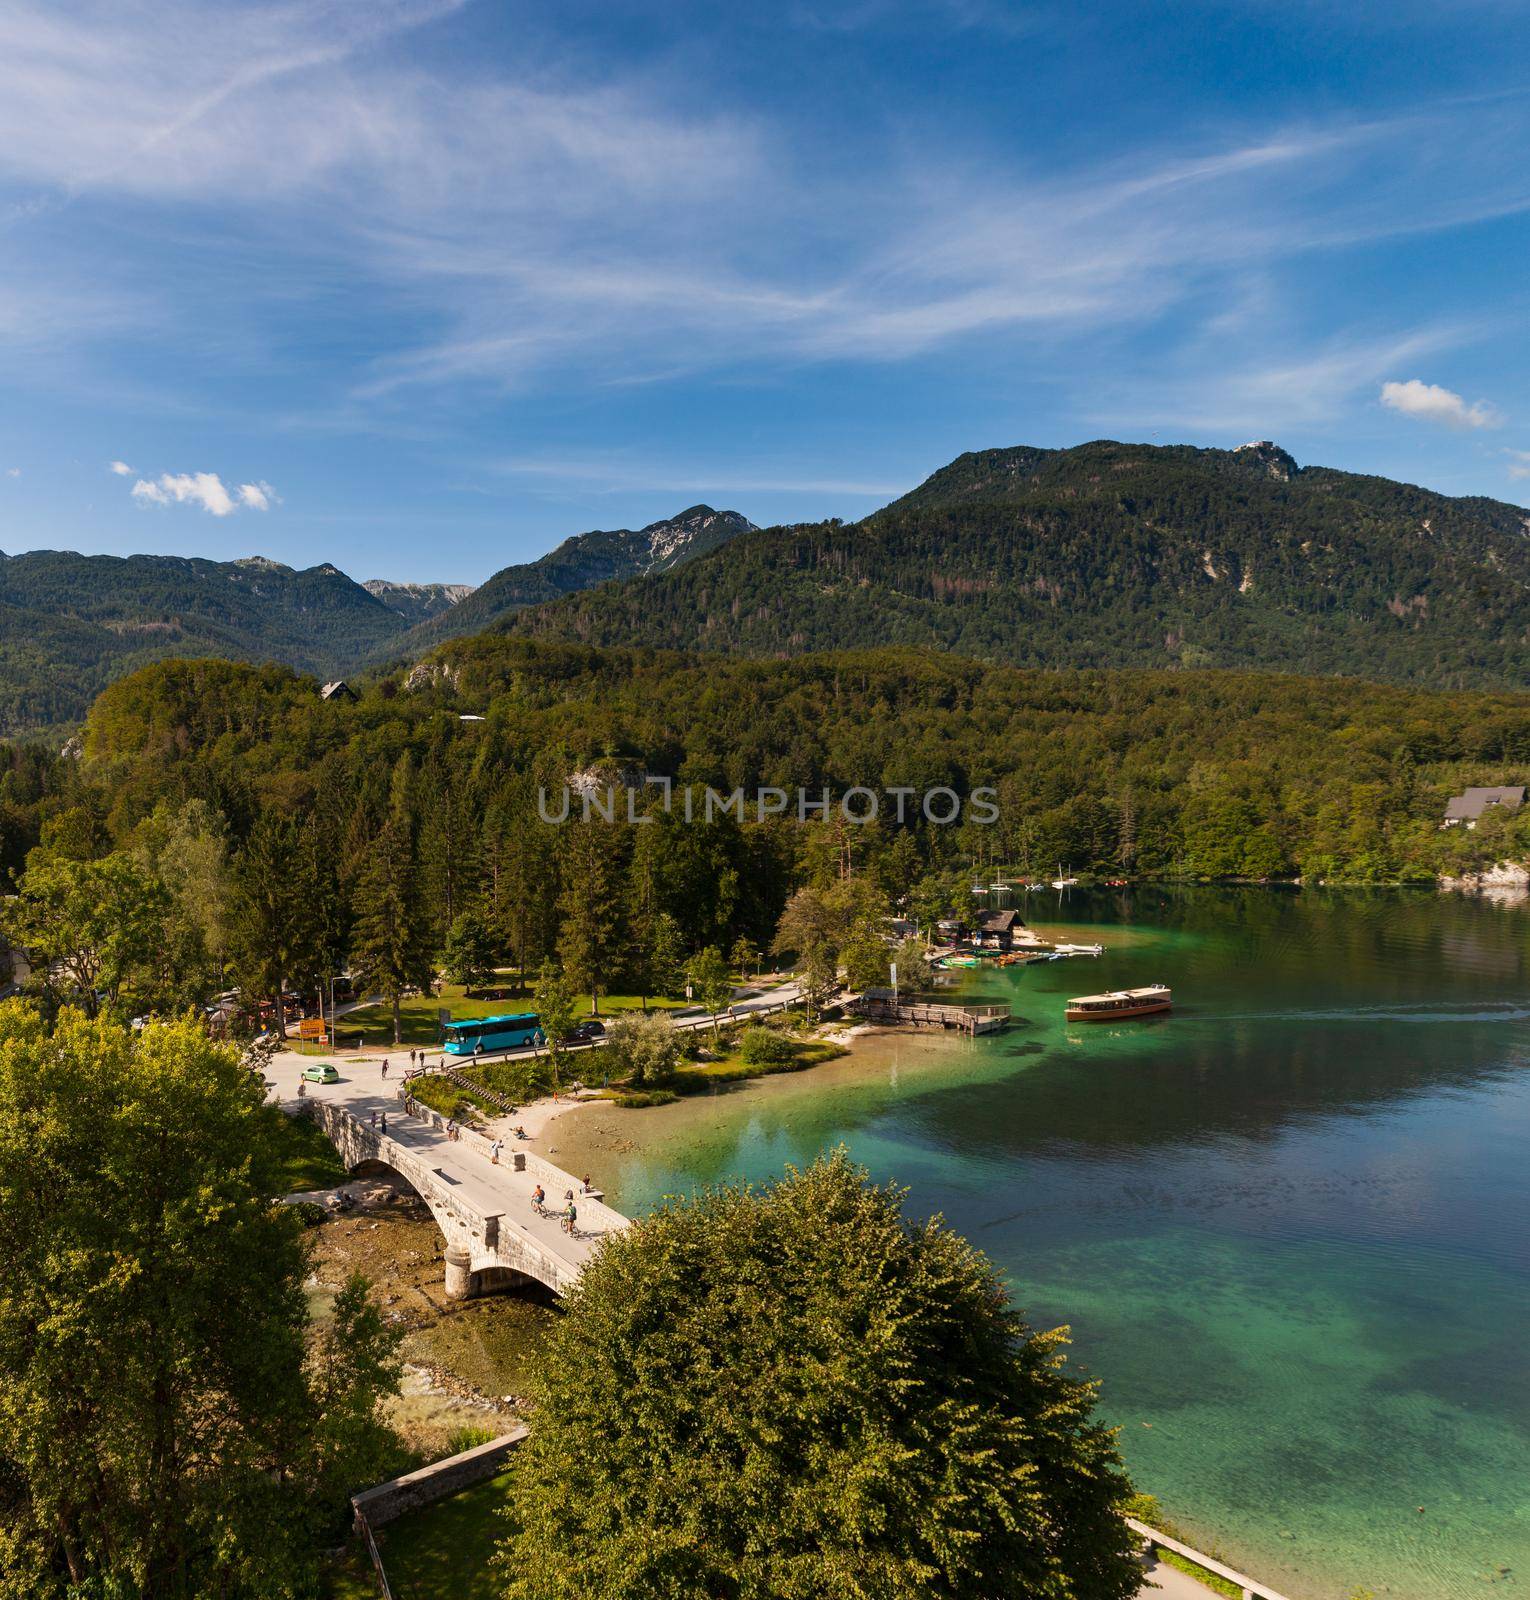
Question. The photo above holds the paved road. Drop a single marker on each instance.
(465, 1163)
(768, 1000)
(1171, 1583)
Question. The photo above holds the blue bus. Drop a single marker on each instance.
(482, 1034)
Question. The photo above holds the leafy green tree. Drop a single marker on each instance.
(389, 949)
(468, 958)
(866, 955)
(711, 982)
(801, 1394)
(914, 970)
(644, 1047)
(166, 1430)
(745, 956)
(556, 1013)
(810, 930)
(93, 930)
(817, 973)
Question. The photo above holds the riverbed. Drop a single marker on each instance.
(1289, 1224)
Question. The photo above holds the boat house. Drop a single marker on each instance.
(998, 930)
(1467, 810)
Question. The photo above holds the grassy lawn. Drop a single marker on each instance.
(446, 1549)
(308, 1159)
(1193, 1569)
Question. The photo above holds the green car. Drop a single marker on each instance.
(320, 1072)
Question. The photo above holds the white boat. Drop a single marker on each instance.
(1079, 949)
(1120, 1003)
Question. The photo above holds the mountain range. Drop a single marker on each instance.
(1115, 555)
(70, 624)
(1101, 555)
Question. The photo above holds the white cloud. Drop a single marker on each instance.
(205, 489)
(1429, 402)
(122, 469)
(13, 472)
(1519, 463)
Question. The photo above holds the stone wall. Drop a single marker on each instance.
(380, 1504)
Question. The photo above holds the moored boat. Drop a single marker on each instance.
(1120, 1003)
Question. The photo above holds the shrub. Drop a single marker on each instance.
(764, 1047)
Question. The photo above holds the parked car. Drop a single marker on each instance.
(320, 1072)
(590, 1029)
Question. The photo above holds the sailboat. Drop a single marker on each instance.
(1063, 880)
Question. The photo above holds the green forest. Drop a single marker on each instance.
(219, 822)
(1114, 555)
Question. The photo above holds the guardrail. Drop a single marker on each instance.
(1251, 1588)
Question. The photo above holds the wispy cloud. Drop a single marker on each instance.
(1429, 402)
(1280, 392)
(121, 468)
(204, 489)
(498, 230)
(1519, 463)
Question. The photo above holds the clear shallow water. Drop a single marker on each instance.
(1290, 1224)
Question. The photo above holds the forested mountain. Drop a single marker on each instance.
(583, 561)
(1111, 555)
(70, 624)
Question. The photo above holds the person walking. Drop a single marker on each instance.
(385, 1122)
(385, 1067)
(494, 1152)
(570, 1219)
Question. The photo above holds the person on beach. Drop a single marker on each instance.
(385, 1067)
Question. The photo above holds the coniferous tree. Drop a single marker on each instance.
(390, 949)
(590, 908)
(274, 913)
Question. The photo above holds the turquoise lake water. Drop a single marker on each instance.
(1289, 1224)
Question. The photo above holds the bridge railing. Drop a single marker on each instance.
(594, 1214)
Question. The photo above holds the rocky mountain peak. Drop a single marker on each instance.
(1277, 463)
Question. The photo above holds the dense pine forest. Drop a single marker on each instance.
(220, 822)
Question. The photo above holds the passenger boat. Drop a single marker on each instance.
(1120, 1003)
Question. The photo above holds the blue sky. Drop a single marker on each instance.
(422, 286)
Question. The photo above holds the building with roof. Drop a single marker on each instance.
(1468, 809)
(338, 690)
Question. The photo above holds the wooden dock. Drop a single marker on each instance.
(879, 1005)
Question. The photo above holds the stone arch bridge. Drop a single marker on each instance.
(494, 1236)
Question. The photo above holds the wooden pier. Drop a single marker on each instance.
(879, 1005)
